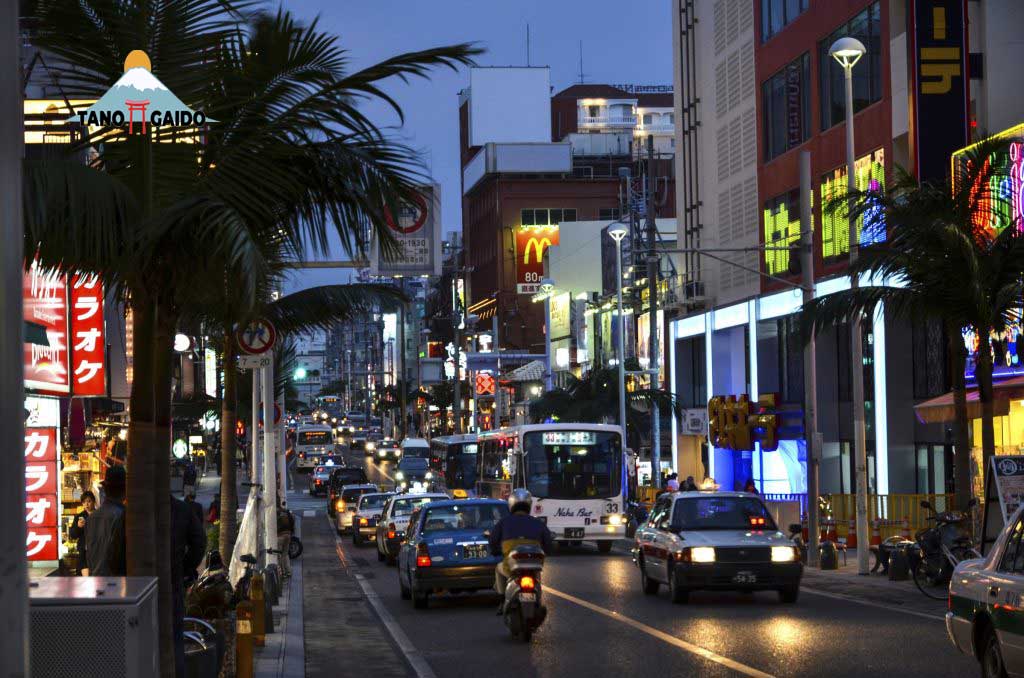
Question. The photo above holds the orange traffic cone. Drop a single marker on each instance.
(905, 529)
(876, 533)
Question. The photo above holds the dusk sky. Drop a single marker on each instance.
(623, 42)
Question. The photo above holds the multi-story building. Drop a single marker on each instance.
(534, 164)
(756, 87)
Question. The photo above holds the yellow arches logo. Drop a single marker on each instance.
(538, 245)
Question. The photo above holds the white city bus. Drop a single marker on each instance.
(313, 444)
(575, 472)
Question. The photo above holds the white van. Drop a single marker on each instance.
(415, 447)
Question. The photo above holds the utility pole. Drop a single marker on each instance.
(457, 326)
(812, 436)
(496, 347)
(402, 384)
(13, 568)
(269, 462)
(653, 272)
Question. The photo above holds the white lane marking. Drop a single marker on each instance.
(412, 655)
(309, 514)
(380, 470)
(871, 603)
(661, 635)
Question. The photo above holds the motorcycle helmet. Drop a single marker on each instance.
(520, 500)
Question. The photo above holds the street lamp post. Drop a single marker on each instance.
(547, 287)
(617, 234)
(848, 51)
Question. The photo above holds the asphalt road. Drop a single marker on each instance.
(600, 623)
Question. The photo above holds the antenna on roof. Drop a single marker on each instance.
(527, 44)
(581, 62)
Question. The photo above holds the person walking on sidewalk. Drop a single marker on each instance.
(104, 530)
(188, 544)
(188, 477)
(77, 529)
(285, 528)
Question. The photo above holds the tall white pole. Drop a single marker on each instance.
(13, 570)
(280, 450)
(255, 467)
(269, 464)
(856, 350)
(548, 381)
(620, 347)
(810, 361)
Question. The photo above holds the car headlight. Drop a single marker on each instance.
(364, 521)
(351, 429)
(382, 453)
(403, 485)
(339, 505)
(783, 554)
(429, 475)
(371, 446)
(399, 475)
(615, 519)
(702, 554)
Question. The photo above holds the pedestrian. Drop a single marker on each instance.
(197, 507)
(213, 514)
(285, 528)
(104, 530)
(750, 486)
(690, 485)
(671, 485)
(77, 529)
(188, 542)
(188, 477)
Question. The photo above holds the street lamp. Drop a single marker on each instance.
(547, 287)
(847, 52)
(617, 233)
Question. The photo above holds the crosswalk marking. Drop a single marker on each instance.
(309, 514)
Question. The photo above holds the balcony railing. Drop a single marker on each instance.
(656, 128)
(607, 121)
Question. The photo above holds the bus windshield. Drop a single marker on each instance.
(314, 437)
(573, 464)
(460, 466)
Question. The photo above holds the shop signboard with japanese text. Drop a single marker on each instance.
(45, 297)
(417, 230)
(42, 506)
(88, 342)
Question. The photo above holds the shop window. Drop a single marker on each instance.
(869, 174)
(786, 107)
(867, 74)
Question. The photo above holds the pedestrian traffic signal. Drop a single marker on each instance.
(733, 426)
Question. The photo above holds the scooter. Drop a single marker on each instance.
(524, 609)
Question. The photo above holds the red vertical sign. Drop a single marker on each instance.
(45, 296)
(41, 508)
(88, 344)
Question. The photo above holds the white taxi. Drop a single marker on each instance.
(715, 540)
(986, 604)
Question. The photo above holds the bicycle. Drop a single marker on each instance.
(939, 549)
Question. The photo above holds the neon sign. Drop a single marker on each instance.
(1006, 187)
(869, 175)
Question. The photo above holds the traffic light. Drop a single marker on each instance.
(733, 426)
(738, 431)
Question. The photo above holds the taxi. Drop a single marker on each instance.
(368, 512)
(986, 610)
(446, 549)
(394, 520)
(715, 540)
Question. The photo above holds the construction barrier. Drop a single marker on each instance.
(851, 533)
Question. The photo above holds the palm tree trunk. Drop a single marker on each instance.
(986, 397)
(163, 339)
(140, 506)
(961, 444)
(228, 481)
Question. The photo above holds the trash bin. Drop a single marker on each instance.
(828, 556)
(899, 563)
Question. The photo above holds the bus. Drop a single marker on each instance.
(577, 474)
(454, 459)
(313, 443)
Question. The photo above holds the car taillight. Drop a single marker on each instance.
(422, 555)
(364, 521)
(339, 505)
(757, 521)
(527, 583)
(392, 531)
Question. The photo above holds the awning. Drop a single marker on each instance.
(531, 371)
(939, 410)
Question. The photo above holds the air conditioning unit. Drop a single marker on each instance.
(93, 626)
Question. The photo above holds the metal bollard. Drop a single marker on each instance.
(244, 623)
(828, 556)
(259, 617)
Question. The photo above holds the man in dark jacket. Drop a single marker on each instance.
(104, 530)
(517, 529)
(188, 542)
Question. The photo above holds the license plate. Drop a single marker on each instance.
(474, 551)
(745, 577)
(574, 533)
(527, 597)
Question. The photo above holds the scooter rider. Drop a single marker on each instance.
(517, 529)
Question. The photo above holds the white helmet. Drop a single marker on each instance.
(520, 499)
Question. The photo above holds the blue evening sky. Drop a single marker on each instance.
(624, 41)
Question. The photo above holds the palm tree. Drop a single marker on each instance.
(287, 156)
(941, 263)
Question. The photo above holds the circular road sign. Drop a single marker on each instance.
(277, 413)
(413, 225)
(258, 337)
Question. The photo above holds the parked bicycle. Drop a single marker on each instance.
(939, 548)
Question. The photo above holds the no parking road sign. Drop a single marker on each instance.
(258, 337)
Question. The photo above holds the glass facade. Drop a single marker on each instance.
(786, 107)
(867, 74)
(777, 14)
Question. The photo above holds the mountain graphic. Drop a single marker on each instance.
(137, 84)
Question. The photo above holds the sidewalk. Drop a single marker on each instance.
(873, 589)
(283, 656)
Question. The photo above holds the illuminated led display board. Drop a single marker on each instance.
(781, 229)
(869, 172)
(1007, 185)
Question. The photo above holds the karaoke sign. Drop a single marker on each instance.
(139, 100)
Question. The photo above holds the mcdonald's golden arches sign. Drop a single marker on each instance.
(531, 243)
